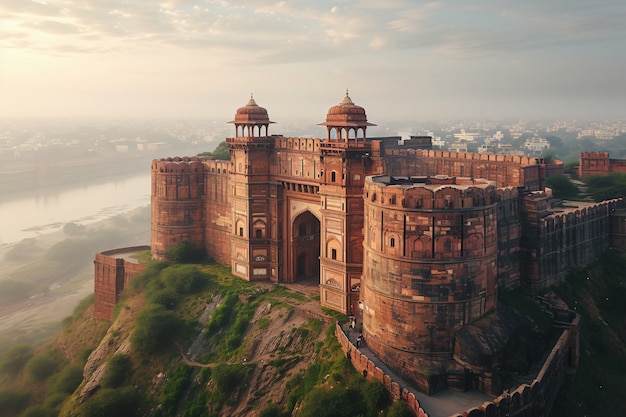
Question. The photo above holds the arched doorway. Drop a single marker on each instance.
(306, 246)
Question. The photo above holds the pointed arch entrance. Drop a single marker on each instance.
(305, 246)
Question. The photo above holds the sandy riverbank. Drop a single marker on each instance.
(33, 319)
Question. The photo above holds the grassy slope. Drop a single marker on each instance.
(284, 356)
(598, 294)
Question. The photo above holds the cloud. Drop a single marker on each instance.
(282, 28)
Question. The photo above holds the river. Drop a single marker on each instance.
(46, 212)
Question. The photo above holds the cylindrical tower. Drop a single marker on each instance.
(177, 204)
(430, 251)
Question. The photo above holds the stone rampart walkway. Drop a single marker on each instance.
(441, 404)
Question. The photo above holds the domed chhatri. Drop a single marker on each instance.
(346, 120)
(250, 116)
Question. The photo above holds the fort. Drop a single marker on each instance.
(415, 243)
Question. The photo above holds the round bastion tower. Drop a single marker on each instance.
(429, 266)
(177, 204)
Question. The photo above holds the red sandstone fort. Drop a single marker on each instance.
(414, 242)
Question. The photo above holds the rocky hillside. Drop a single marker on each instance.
(191, 340)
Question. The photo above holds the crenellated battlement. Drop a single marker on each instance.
(464, 156)
(297, 144)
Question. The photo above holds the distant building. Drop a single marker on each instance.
(536, 144)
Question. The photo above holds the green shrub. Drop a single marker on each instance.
(54, 400)
(336, 402)
(222, 314)
(39, 411)
(176, 385)
(273, 411)
(12, 402)
(165, 297)
(119, 369)
(399, 409)
(112, 402)
(562, 187)
(227, 377)
(155, 329)
(184, 252)
(13, 360)
(263, 323)
(41, 367)
(184, 279)
(68, 379)
(606, 186)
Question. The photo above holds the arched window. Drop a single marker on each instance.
(392, 242)
(333, 176)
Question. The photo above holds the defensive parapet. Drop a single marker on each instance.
(113, 270)
(556, 239)
(177, 203)
(505, 170)
(598, 163)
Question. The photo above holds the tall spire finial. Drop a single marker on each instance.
(347, 99)
(251, 102)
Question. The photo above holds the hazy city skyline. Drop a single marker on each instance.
(399, 59)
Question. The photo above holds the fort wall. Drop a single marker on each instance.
(557, 239)
(598, 163)
(370, 371)
(617, 226)
(111, 275)
(527, 400)
(505, 170)
(509, 236)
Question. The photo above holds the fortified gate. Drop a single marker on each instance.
(291, 209)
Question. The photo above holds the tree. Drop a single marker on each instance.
(562, 187)
(606, 186)
(221, 152)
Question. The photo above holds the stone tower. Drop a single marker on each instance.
(177, 204)
(345, 162)
(254, 239)
(429, 264)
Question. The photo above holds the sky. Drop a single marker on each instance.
(400, 59)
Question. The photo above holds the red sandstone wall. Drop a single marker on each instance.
(509, 235)
(593, 163)
(218, 211)
(366, 367)
(505, 170)
(111, 276)
(556, 242)
(530, 400)
(429, 267)
(618, 228)
(177, 204)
